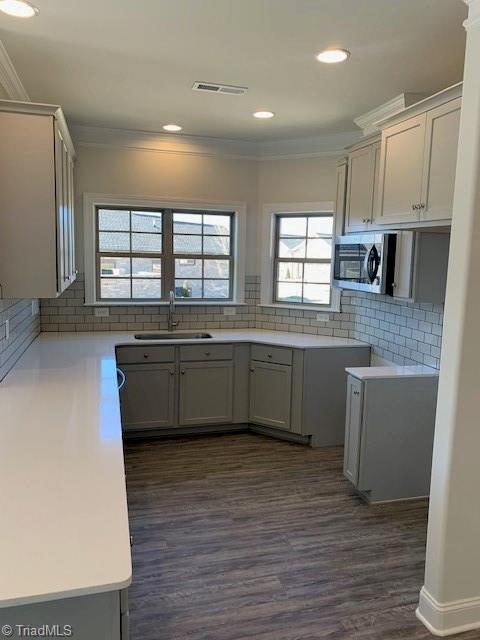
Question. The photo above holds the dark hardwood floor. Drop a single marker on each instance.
(243, 537)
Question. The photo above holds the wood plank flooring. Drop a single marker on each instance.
(242, 537)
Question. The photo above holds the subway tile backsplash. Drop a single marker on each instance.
(24, 327)
(400, 332)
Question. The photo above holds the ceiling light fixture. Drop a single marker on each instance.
(18, 8)
(263, 115)
(331, 56)
(173, 128)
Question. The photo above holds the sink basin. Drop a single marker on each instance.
(172, 336)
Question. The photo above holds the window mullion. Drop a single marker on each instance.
(168, 266)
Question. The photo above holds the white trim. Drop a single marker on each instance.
(9, 78)
(448, 619)
(92, 200)
(368, 121)
(311, 147)
(267, 242)
(473, 19)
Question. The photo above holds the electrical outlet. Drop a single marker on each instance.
(229, 311)
(101, 312)
(322, 317)
(7, 329)
(35, 307)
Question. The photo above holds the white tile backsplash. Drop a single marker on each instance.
(400, 332)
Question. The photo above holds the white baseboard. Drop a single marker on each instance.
(447, 619)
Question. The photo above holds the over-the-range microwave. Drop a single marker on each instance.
(365, 262)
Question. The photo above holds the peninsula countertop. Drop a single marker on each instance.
(63, 496)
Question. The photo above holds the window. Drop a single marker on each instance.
(302, 259)
(142, 254)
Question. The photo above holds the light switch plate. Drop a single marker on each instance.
(229, 311)
(101, 312)
(322, 317)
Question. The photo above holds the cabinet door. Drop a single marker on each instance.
(401, 170)
(440, 163)
(61, 203)
(340, 197)
(206, 393)
(353, 429)
(147, 399)
(361, 174)
(71, 215)
(270, 394)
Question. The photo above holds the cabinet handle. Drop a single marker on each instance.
(269, 355)
(252, 370)
(182, 372)
(356, 393)
(172, 373)
(145, 355)
(414, 207)
(207, 353)
(422, 205)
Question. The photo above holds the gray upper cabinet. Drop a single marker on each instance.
(270, 394)
(341, 195)
(418, 162)
(147, 399)
(401, 169)
(37, 248)
(362, 172)
(440, 161)
(206, 393)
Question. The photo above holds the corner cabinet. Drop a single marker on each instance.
(418, 163)
(37, 235)
(270, 394)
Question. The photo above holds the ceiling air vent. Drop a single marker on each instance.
(212, 87)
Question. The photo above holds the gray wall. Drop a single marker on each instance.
(23, 329)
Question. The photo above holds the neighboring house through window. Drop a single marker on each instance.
(303, 255)
(142, 253)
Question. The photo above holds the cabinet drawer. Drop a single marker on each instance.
(206, 352)
(134, 355)
(278, 355)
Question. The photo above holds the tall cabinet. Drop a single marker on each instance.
(37, 234)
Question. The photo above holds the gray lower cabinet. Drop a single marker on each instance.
(184, 386)
(389, 430)
(101, 616)
(147, 398)
(353, 429)
(206, 393)
(270, 394)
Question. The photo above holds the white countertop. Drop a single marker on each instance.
(259, 336)
(63, 498)
(393, 371)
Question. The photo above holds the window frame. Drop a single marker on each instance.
(277, 260)
(92, 202)
(268, 239)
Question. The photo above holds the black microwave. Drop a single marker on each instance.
(365, 262)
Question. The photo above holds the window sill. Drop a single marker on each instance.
(165, 303)
(303, 307)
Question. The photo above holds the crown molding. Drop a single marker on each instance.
(9, 79)
(473, 19)
(317, 146)
(368, 121)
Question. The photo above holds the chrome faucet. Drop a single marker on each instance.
(171, 312)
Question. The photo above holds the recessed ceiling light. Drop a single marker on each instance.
(18, 8)
(330, 56)
(263, 115)
(173, 128)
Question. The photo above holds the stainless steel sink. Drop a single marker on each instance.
(172, 336)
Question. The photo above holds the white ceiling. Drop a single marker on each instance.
(131, 64)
